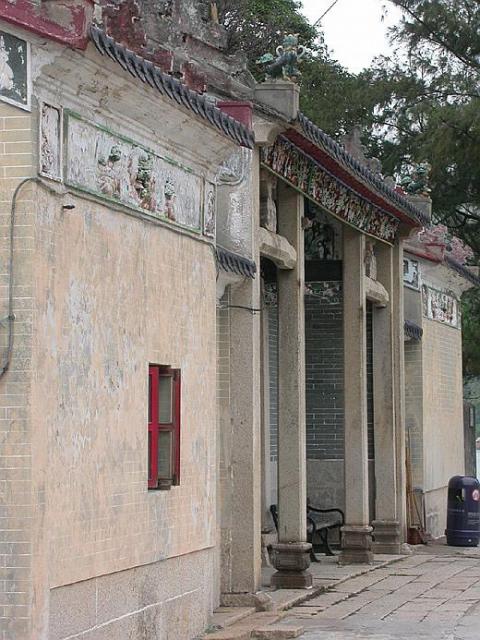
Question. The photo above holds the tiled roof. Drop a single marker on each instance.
(171, 88)
(413, 331)
(234, 263)
(340, 155)
(462, 270)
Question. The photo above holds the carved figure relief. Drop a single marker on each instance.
(440, 306)
(108, 173)
(270, 294)
(169, 193)
(410, 273)
(210, 206)
(370, 260)
(130, 174)
(14, 70)
(143, 182)
(319, 241)
(50, 142)
(268, 208)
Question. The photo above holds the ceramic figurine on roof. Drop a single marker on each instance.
(284, 66)
(417, 182)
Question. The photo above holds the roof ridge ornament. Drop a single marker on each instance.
(417, 182)
(285, 65)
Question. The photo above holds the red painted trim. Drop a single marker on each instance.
(241, 111)
(177, 386)
(423, 254)
(71, 31)
(153, 427)
(336, 169)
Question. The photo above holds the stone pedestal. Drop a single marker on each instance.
(356, 545)
(387, 537)
(281, 95)
(291, 560)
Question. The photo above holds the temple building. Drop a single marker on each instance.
(435, 277)
(203, 316)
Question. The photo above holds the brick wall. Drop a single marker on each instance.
(324, 372)
(16, 497)
(273, 370)
(414, 408)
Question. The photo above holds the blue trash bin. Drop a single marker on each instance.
(463, 516)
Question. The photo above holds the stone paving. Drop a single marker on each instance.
(434, 595)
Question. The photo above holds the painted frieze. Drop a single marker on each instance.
(14, 70)
(51, 142)
(110, 166)
(410, 273)
(305, 175)
(440, 306)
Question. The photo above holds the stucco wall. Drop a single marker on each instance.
(443, 442)
(112, 295)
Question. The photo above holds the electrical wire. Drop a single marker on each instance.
(315, 24)
(11, 316)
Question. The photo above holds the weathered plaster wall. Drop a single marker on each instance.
(112, 295)
(443, 441)
(17, 501)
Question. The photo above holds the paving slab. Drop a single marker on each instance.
(278, 632)
(428, 597)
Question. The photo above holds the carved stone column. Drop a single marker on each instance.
(387, 536)
(291, 554)
(356, 534)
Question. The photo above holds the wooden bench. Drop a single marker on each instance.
(319, 523)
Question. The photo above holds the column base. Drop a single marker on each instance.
(387, 537)
(356, 545)
(291, 559)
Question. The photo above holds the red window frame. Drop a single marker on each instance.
(155, 372)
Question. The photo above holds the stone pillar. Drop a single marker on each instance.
(241, 441)
(246, 441)
(291, 554)
(356, 534)
(387, 538)
(399, 383)
(265, 404)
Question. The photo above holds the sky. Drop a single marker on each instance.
(354, 29)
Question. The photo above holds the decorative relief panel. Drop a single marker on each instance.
(370, 260)
(209, 210)
(440, 306)
(14, 70)
(110, 166)
(410, 273)
(51, 142)
(323, 234)
(305, 175)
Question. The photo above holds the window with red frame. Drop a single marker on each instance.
(163, 427)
